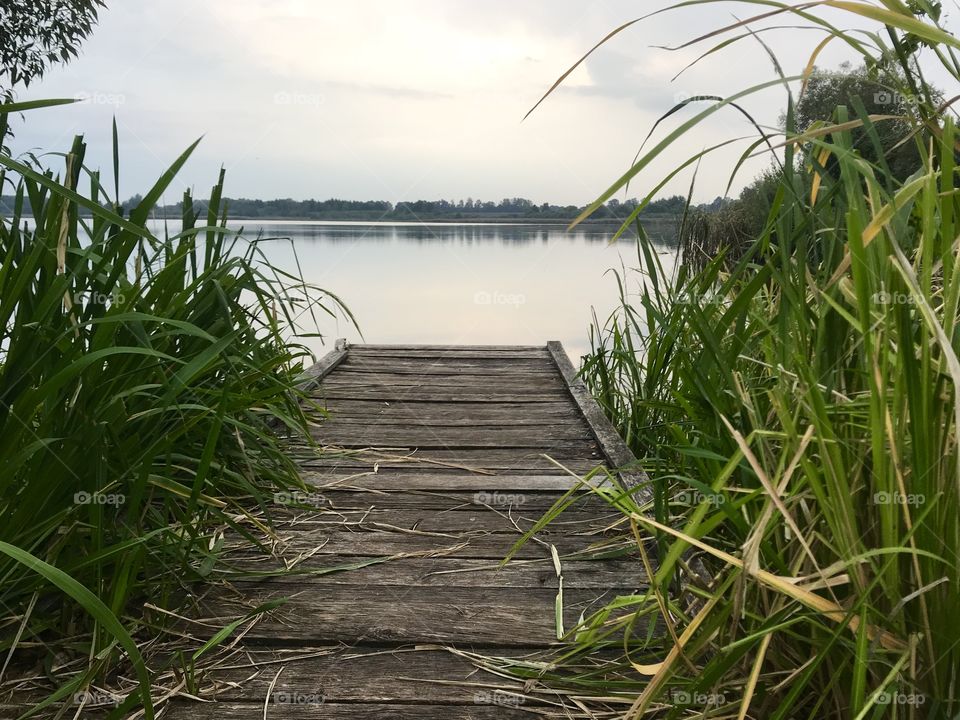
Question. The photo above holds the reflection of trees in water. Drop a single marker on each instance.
(460, 234)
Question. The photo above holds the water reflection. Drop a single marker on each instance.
(505, 234)
(454, 284)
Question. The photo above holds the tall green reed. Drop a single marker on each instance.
(142, 383)
(796, 409)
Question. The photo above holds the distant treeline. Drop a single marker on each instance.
(469, 209)
(514, 209)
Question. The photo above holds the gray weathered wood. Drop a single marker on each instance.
(436, 460)
(357, 675)
(477, 383)
(458, 461)
(440, 500)
(442, 412)
(469, 363)
(323, 367)
(185, 710)
(474, 617)
(418, 435)
(534, 465)
(450, 572)
(453, 349)
(316, 544)
(428, 356)
(475, 518)
(559, 449)
(452, 394)
(361, 367)
(544, 424)
(456, 351)
(387, 480)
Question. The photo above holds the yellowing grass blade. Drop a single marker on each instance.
(903, 20)
(883, 216)
(815, 184)
(785, 585)
(811, 63)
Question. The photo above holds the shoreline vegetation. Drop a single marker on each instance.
(514, 210)
(792, 394)
(148, 389)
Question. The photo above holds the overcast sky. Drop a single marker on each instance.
(386, 100)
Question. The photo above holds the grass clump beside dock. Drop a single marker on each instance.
(796, 409)
(141, 381)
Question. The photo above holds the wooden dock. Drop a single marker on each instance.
(436, 460)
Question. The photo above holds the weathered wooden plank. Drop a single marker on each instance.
(338, 675)
(454, 464)
(391, 480)
(427, 438)
(187, 710)
(475, 518)
(417, 468)
(505, 413)
(477, 365)
(429, 356)
(476, 383)
(443, 369)
(381, 348)
(462, 460)
(552, 380)
(493, 458)
(438, 394)
(442, 383)
(504, 434)
(450, 572)
(459, 420)
(346, 498)
(315, 545)
(563, 449)
(360, 368)
(425, 445)
(358, 675)
(573, 449)
(513, 392)
(450, 351)
(478, 617)
(561, 407)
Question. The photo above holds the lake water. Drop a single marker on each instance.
(455, 283)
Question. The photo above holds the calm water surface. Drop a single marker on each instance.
(455, 284)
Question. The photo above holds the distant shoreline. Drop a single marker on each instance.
(516, 211)
(650, 219)
(440, 221)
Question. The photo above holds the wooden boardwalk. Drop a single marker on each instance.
(437, 459)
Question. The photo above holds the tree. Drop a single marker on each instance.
(38, 33)
(879, 94)
(35, 35)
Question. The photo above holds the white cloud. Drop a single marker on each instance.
(379, 99)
